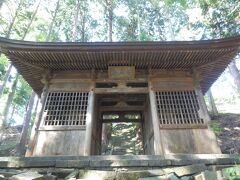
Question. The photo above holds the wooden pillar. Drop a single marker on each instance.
(89, 121)
(34, 131)
(155, 122)
(203, 107)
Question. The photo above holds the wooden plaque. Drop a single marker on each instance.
(121, 72)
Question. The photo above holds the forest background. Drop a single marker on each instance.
(113, 20)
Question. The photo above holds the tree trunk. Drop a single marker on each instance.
(9, 101)
(109, 5)
(10, 96)
(31, 20)
(235, 74)
(7, 36)
(53, 21)
(212, 105)
(83, 18)
(36, 107)
(21, 148)
(75, 27)
(13, 20)
(168, 19)
(13, 111)
(6, 77)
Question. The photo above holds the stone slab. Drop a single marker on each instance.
(9, 172)
(72, 163)
(97, 174)
(73, 174)
(164, 177)
(27, 176)
(159, 163)
(119, 163)
(132, 175)
(186, 170)
(211, 175)
(50, 177)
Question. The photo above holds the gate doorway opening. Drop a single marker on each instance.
(122, 133)
(122, 125)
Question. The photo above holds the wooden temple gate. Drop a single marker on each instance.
(162, 82)
(175, 118)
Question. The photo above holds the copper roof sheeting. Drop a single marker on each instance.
(31, 59)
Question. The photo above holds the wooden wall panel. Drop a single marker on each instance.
(72, 75)
(172, 84)
(51, 143)
(70, 86)
(189, 141)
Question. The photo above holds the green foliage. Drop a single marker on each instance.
(3, 66)
(23, 92)
(221, 17)
(232, 173)
(216, 127)
(21, 96)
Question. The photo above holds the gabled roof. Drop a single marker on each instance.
(31, 59)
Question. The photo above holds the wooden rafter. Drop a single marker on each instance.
(75, 56)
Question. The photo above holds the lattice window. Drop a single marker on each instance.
(66, 109)
(178, 108)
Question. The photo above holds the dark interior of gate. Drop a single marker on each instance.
(123, 125)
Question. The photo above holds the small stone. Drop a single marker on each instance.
(170, 176)
(73, 174)
(132, 175)
(186, 178)
(97, 174)
(50, 177)
(211, 175)
(9, 172)
(186, 170)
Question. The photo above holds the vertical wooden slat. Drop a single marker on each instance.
(177, 107)
(65, 108)
(202, 105)
(155, 121)
(89, 121)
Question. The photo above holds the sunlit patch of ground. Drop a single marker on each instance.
(227, 128)
(227, 125)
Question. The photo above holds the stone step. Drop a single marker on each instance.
(189, 172)
(117, 161)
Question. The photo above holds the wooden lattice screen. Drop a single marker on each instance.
(66, 109)
(178, 109)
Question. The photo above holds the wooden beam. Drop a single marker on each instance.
(61, 128)
(184, 126)
(89, 121)
(203, 112)
(121, 120)
(155, 121)
(121, 90)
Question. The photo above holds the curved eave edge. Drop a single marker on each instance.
(30, 45)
